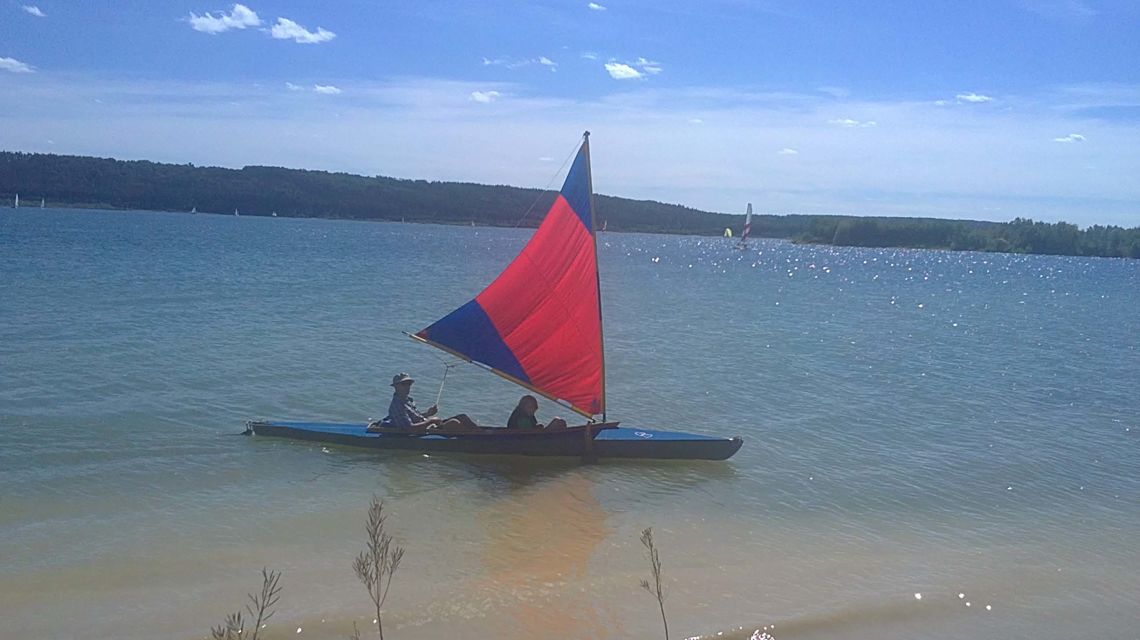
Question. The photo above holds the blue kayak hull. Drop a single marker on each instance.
(608, 441)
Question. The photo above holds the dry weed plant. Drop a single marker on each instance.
(260, 610)
(376, 565)
(654, 589)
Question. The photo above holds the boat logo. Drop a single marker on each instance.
(642, 434)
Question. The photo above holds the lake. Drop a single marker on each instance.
(961, 426)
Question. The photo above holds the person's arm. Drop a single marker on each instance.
(426, 423)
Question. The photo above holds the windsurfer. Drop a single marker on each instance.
(523, 416)
(402, 412)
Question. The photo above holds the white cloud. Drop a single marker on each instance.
(15, 66)
(512, 63)
(786, 151)
(973, 98)
(696, 121)
(239, 17)
(589, 55)
(648, 66)
(596, 7)
(294, 87)
(326, 89)
(34, 10)
(619, 71)
(485, 97)
(835, 92)
(849, 123)
(286, 29)
(1072, 137)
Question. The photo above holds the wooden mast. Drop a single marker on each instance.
(597, 270)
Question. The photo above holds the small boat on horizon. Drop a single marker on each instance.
(538, 325)
(743, 244)
(16, 202)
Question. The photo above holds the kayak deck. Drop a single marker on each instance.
(609, 440)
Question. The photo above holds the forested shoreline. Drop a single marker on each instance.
(256, 190)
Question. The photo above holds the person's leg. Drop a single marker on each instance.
(460, 421)
(557, 423)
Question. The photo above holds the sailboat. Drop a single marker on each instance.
(41, 203)
(16, 203)
(727, 232)
(538, 325)
(743, 244)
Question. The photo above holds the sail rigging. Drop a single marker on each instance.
(747, 228)
(539, 322)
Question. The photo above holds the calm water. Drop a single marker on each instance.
(914, 422)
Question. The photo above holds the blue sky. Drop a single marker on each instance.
(961, 109)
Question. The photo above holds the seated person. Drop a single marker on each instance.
(523, 416)
(402, 412)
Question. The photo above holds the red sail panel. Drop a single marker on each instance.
(539, 322)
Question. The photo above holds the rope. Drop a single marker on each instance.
(548, 184)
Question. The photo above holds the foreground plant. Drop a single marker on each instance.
(654, 589)
(376, 565)
(260, 610)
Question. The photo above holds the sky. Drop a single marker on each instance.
(985, 110)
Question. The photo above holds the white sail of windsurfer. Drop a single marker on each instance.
(743, 244)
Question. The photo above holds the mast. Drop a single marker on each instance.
(597, 272)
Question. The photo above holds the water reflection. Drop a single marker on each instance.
(539, 541)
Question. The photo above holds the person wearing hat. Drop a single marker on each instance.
(402, 412)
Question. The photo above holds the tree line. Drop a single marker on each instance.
(80, 181)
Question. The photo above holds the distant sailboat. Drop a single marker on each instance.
(274, 214)
(727, 232)
(41, 203)
(16, 204)
(194, 210)
(236, 213)
(605, 223)
(743, 244)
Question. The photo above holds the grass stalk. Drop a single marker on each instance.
(655, 588)
(260, 610)
(376, 565)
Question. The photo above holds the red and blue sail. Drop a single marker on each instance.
(539, 323)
